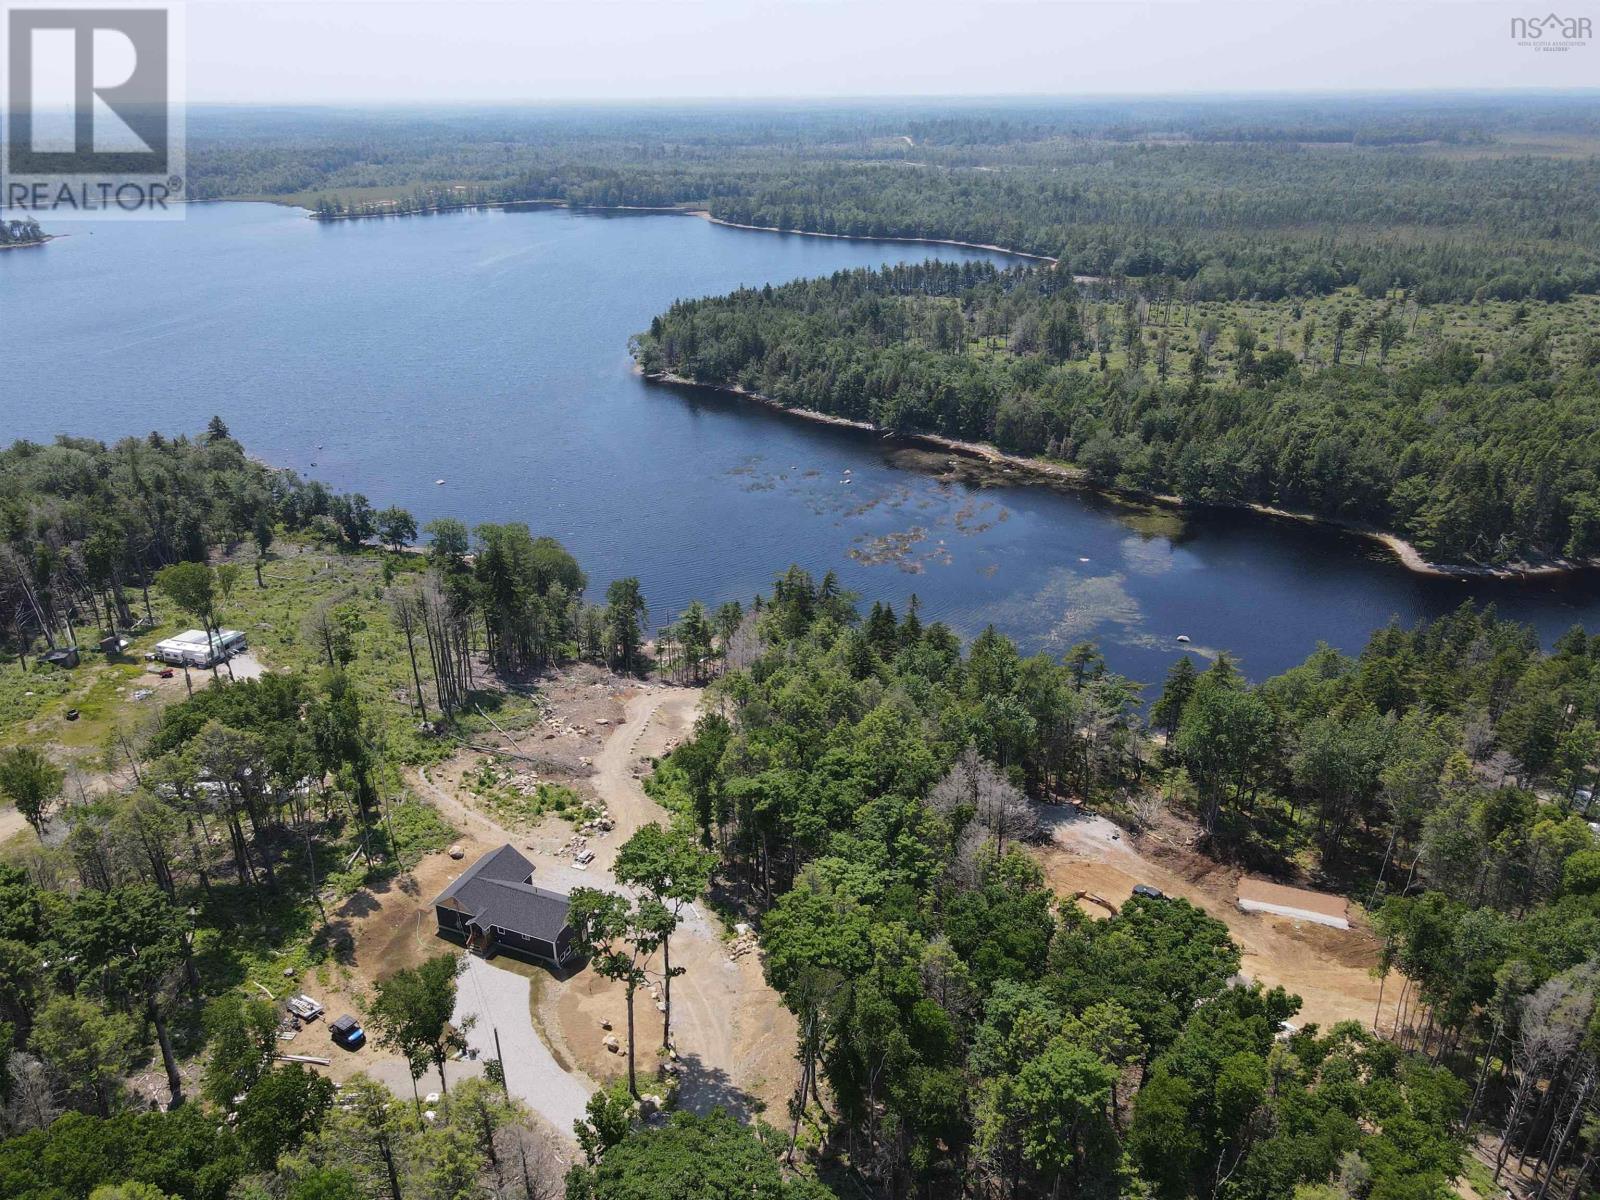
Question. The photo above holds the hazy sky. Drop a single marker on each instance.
(468, 50)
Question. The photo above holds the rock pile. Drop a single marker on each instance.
(744, 942)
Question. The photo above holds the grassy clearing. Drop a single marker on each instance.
(299, 576)
(25, 691)
(303, 576)
(35, 699)
(512, 798)
(1480, 1178)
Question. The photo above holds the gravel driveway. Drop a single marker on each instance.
(500, 1000)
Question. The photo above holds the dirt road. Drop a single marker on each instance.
(1328, 968)
(734, 1039)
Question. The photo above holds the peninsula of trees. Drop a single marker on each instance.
(1472, 431)
(21, 232)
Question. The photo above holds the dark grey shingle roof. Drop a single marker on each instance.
(494, 891)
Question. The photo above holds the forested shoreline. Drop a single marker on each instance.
(874, 797)
(1271, 198)
(21, 232)
(1476, 452)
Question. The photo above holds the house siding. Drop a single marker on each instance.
(510, 939)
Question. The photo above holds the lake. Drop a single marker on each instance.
(489, 350)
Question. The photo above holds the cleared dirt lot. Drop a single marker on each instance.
(378, 932)
(734, 1038)
(1329, 969)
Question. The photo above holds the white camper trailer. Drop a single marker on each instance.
(196, 648)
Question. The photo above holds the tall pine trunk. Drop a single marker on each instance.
(174, 1080)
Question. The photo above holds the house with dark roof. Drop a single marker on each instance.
(495, 905)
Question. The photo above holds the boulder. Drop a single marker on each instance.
(457, 851)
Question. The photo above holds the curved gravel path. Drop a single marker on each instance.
(499, 1000)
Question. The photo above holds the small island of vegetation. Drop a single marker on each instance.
(23, 231)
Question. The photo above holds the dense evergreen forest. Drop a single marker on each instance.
(1478, 447)
(866, 791)
(872, 791)
(1449, 197)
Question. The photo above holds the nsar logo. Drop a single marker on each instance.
(1551, 32)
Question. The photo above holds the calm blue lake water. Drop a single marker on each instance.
(490, 350)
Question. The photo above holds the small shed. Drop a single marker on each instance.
(63, 656)
(1300, 904)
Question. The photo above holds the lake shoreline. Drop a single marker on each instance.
(439, 210)
(1404, 552)
(673, 210)
(45, 240)
(705, 215)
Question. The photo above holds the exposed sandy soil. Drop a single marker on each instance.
(379, 932)
(582, 704)
(1328, 968)
(12, 823)
(734, 1038)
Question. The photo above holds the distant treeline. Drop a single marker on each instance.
(1473, 458)
(1237, 199)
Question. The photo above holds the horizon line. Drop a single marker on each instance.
(1508, 91)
